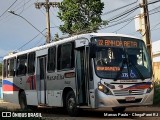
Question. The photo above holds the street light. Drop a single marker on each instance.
(12, 12)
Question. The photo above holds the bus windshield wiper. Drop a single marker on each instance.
(137, 70)
(125, 60)
(128, 62)
(122, 66)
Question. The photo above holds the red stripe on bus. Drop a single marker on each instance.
(34, 82)
(9, 88)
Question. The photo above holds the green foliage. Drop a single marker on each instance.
(81, 16)
(156, 100)
(56, 37)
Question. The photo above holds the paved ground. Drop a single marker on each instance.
(60, 114)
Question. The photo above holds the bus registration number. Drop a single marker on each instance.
(130, 98)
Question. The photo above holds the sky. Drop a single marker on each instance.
(15, 31)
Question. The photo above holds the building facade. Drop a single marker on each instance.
(156, 59)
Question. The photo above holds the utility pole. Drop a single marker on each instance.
(145, 25)
(47, 5)
(145, 28)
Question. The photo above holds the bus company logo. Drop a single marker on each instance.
(6, 114)
(130, 91)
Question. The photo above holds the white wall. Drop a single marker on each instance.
(155, 50)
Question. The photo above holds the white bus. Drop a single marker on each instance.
(93, 70)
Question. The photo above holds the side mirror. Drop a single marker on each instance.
(93, 48)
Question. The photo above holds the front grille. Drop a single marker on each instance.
(123, 101)
(127, 92)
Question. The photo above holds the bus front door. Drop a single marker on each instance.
(42, 80)
(81, 76)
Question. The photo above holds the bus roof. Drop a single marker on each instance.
(72, 38)
(113, 34)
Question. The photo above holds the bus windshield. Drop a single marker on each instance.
(121, 58)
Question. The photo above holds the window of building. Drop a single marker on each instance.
(31, 63)
(22, 65)
(51, 59)
(65, 56)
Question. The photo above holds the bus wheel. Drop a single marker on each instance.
(118, 109)
(22, 101)
(71, 104)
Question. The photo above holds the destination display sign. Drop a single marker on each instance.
(118, 43)
(113, 68)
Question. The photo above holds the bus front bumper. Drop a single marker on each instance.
(117, 101)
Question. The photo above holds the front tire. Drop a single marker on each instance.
(71, 105)
(118, 109)
(23, 101)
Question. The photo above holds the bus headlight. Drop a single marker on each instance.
(104, 89)
(150, 88)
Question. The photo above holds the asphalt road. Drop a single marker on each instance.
(140, 113)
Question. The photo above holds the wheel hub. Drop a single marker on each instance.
(71, 103)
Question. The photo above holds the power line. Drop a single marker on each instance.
(128, 6)
(152, 27)
(30, 40)
(126, 20)
(156, 29)
(155, 12)
(15, 11)
(129, 11)
(54, 15)
(33, 38)
(123, 26)
(8, 8)
(131, 18)
(115, 24)
(155, 25)
(38, 42)
(122, 14)
(153, 2)
(12, 12)
(155, 8)
(120, 8)
(23, 7)
(45, 15)
(18, 4)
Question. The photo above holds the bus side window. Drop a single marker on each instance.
(51, 59)
(11, 67)
(31, 63)
(4, 68)
(22, 65)
(65, 56)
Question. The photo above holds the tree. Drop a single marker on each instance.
(81, 16)
(56, 37)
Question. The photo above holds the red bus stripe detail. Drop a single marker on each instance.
(34, 82)
(9, 88)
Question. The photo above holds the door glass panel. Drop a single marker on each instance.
(81, 84)
(42, 68)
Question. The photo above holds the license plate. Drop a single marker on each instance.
(130, 98)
